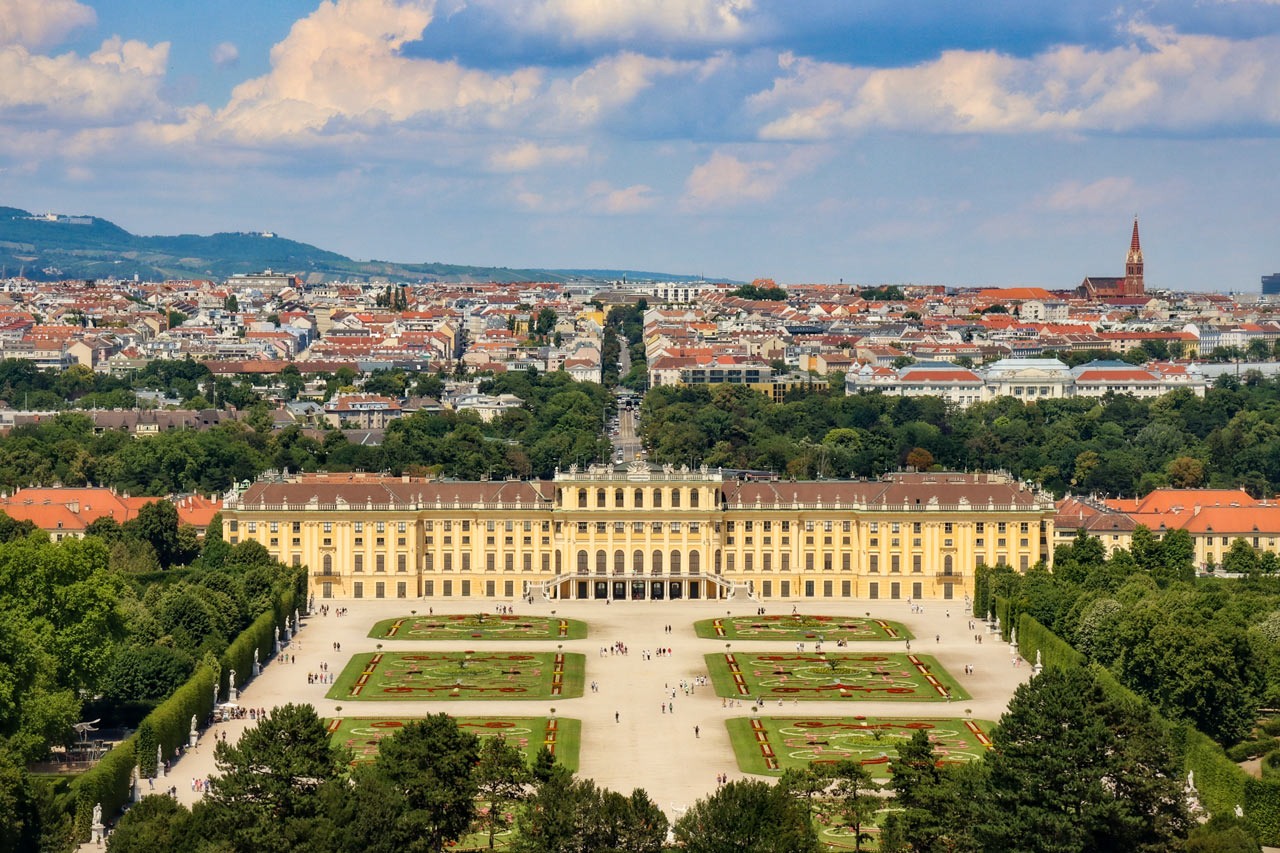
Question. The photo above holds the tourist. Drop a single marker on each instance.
(697, 732)
(617, 718)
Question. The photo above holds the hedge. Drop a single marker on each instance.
(1220, 783)
(108, 781)
(1262, 808)
(1002, 614)
(1245, 750)
(1034, 637)
(1271, 766)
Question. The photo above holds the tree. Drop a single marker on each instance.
(231, 304)
(855, 798)
(269, 793)
(1186, 472)
(157, 524)
(501, 779)
(806, 784)
(1241, 558)
(747, 817)
(1178, 555)
(1074, 769)
(157, 824)
(429, 763)
(920, 459)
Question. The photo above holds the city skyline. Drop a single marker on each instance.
(967, 145)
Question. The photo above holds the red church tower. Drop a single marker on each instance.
(1108, 287)
(1133, 284)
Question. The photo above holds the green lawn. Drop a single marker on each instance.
(442, 676)
(801, 628)
(361, 734)
(769, 745)
(889, 676)
(479, 626)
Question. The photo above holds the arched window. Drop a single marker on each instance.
(637, 562)
(695, 562)
(582, 498)
(559, 497)
(602, 562)
(617, 497)
(717, 561)
(693, 498)
(619, 563)
(328, 564)
(639, 496)
(600, 497)
(675, 562)
(559, 563)
(656, 566)
(582, 562)
(946, 565)
(657, 497)
(675, 497)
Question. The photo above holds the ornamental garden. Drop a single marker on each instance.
(802, 628)
(832, 677)
(559, 735)
(770, 745)
(467, 675)
(479, 626)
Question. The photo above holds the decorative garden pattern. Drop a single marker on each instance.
(437, 676)
(802, 628)
(479, 626)
(769, 745)
(827, 677)
(561, 736)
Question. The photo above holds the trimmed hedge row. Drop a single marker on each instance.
(1271, 765)
(1003, 612)
(108, 781)
(1220, 783)
(1262, 807)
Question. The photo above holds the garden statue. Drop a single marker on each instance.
(257, 667)
(1191, 780)
(277, 639)
(97, 826)
(1039, 667)
(297, 620)
(192, 735)
(231, 687)
(135, 776)
(159, 762)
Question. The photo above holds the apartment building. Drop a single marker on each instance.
(642, 531)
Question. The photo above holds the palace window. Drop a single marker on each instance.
(675, 497)
(693, 498)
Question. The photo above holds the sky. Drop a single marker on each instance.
(997, 143)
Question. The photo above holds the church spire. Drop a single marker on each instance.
(1134, 285)
(1135, 247)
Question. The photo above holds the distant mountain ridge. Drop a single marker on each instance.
(48, 248)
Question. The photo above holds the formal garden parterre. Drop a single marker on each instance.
(811, 676)
(479, 626)
(802, 627)
(559, 735)
(466, 675)
(770, 745)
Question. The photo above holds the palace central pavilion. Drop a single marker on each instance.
(643, 531)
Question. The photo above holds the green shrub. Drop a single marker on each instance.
(1252, 748)
(1271, 765)
(1272, 727)
(1262, 808)
(1034, 637)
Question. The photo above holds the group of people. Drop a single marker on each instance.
(504, 610)
(322, 677)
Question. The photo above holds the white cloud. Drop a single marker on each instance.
(531, 155)
(725, 179)
(1103, 194)
(40, 23)
(590, 20)
(1162, 79)
(118, 82)
(633, 199)
(342, 64)
(225, 54)
(608, 84)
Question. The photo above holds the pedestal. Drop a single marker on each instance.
(257, 669)
(191, 739)
(233, 695)
(97, 829)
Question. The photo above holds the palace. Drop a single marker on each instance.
(642, 531)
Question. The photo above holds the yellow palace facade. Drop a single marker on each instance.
(643, 531)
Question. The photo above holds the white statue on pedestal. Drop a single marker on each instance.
(97, 827)
(231, 686)
(135, 788)
(159, 762)
(257, 667)
(1038, 668)
(277, 639)
(192, 735)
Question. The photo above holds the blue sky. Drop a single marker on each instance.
(964, 143)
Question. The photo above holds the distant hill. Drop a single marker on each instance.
(52, 248)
